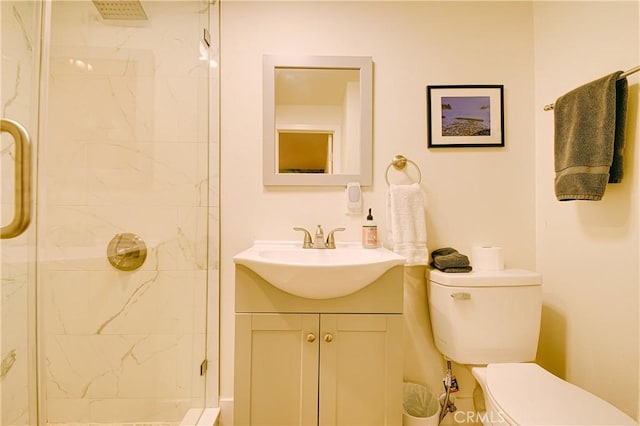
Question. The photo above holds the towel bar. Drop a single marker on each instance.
(625, 74)
(399, 163)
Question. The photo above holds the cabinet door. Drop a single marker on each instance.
(276, 380)
(360, 370)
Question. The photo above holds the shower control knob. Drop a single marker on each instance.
(126, 252)
(311, 337)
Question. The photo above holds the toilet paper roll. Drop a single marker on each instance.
(487, 258)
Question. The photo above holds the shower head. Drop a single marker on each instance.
(121, 9)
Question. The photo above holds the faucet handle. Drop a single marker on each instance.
(307, 243)
(331, 242)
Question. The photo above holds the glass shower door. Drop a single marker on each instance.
(20, 30)
(124, 162)
(120, 141)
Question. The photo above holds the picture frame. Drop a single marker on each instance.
(465, 116)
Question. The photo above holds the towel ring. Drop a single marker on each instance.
(399, 163)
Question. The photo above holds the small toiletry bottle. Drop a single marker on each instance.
(369, 233)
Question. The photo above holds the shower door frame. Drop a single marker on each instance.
(37, 362)
(25, 110)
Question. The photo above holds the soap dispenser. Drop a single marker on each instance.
(370, 232)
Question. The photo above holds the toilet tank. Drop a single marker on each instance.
(484, 317)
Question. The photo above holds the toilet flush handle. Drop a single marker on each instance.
(461, 296)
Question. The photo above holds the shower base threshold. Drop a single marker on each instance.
(194, 417)
(118, 424)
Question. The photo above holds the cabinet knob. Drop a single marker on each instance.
(328, 337)
(311, 337)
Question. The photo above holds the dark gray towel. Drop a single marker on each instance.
(453, 260)
(615, 172)
(443, 252)
(589, 138)
(448, 259)
(458, 270)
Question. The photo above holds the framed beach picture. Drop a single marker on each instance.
(465, 116)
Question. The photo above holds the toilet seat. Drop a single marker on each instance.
(529, 395)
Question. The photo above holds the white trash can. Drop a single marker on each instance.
(420, 406)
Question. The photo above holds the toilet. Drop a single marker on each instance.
(490, 321)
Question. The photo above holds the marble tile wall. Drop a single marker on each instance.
(20, 47)
(127, 150)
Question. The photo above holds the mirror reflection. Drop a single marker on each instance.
(305, 152)
(317, 120)
(327, 103)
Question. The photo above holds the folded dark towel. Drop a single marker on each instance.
(448, 259)
(457, 270)
(453, 260)
(589, 138)
(453, 270)
(443, 251)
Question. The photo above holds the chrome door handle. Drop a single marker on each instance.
(461, 296)
(22, 186)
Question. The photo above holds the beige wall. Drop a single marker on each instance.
(473, 196)
(588, 251)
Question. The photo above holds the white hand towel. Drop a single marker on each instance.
(407, 229)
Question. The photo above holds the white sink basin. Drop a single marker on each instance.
(317, 273)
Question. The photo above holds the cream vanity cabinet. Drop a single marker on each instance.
(305, 361)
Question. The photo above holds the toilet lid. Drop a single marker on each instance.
(530, 395)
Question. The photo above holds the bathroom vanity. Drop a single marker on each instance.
(301, 361)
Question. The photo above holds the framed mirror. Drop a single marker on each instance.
(317, 120)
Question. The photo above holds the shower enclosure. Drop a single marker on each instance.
(121, 110)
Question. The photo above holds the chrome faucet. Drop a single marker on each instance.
(319, 242)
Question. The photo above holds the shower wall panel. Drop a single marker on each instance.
(127, 151)
(20, 28)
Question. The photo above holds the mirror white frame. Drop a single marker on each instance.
(271, 63)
